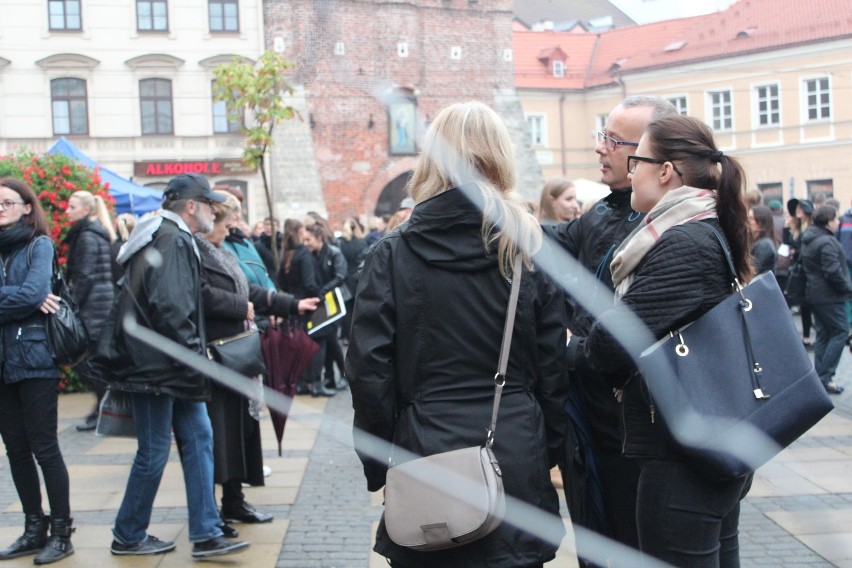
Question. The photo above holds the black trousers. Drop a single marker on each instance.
(687, 520)
(28, 419)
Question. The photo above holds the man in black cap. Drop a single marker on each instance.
(162, 292)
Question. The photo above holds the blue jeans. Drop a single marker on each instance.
(686, 520)
(155, 416)
(832, 330)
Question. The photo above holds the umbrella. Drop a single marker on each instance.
(287, 350)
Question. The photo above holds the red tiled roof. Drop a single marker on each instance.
(760, 24)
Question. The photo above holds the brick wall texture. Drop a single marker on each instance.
(341, 164)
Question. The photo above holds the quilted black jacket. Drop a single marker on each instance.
(681, 278)
(89, 273)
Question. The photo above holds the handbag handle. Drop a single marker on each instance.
(745, 306)
(505, 347)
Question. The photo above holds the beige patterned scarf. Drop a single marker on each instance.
(678, 206)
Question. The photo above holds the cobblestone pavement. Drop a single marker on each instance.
(796, 515)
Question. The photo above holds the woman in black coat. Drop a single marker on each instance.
(230, 301)
(669, 272)
(827, 288)
(89, 274)
(298, 276)
(426, 333)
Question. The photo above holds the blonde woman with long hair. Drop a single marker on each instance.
(89, 275)
(426, 331)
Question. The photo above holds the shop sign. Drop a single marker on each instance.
(169, 168)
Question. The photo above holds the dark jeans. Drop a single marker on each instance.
(687, 520)
(805, 313)
(333, 356)
(28, 426)
(832, 330)
(620, 480)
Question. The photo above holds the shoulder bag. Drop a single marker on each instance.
(241, 353)
(424, 513)
(67, 339)
(736, 385)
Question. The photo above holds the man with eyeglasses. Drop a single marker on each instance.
(592, 239)
(162, 292)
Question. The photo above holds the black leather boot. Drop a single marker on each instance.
(33, 539)
(59, 544)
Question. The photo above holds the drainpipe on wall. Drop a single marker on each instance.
(562, 150)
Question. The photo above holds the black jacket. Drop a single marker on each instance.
(681, 278)
(826, 272)
(162, 292)
(331, 270)
(593, 239)
(236, 436)
(424, 346)
(301, 278)
(354, 250)
(89, 273)
(764, 255)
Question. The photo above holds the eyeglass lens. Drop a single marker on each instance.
(9, 204)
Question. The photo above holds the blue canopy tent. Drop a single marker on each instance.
(129, 197)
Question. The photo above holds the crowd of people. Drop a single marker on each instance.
(425, 293)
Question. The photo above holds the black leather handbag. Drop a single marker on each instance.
(67, 338)
(796, 282)
(241, 353)
(736, 385)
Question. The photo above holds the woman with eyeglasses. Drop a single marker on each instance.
(669, 272)
(29, 387)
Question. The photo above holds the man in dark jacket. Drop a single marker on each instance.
(163, 292)
(827, 288)
(844, 233)
(592, 239)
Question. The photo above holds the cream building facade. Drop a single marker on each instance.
(129, 82)
(782, 105)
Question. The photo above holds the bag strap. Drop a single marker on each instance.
(505, 347)
(745, 306)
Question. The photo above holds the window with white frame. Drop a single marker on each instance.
(818, 98)
(680, 104)
(64, 15)
(69, 106)
(155, 100)
(558, 68)
(152, 15)
(721, 110)
(538, 128)
(224, 15)
(222, 122)
(768, 105)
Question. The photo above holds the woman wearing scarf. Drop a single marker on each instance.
(29, 387)
(669, 272)
(230, 304)
(89, 274)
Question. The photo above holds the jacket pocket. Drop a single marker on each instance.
(31, 343)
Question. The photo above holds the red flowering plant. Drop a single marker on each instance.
(54, 179)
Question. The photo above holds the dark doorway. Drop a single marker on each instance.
(392, 195)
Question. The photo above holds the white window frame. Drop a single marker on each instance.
(558, 68)
(680, 102)
(718, 123)
(537, 127)
(757, 99)
(806, 105)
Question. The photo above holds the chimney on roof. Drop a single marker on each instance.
(548, 25)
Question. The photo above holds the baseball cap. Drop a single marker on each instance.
(806, 205)
(191, 186)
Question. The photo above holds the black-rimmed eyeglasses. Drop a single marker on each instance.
(9, 204)
(611, 143)
(633, 161)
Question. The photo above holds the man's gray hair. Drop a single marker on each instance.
(175, 205)
(661, 107)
